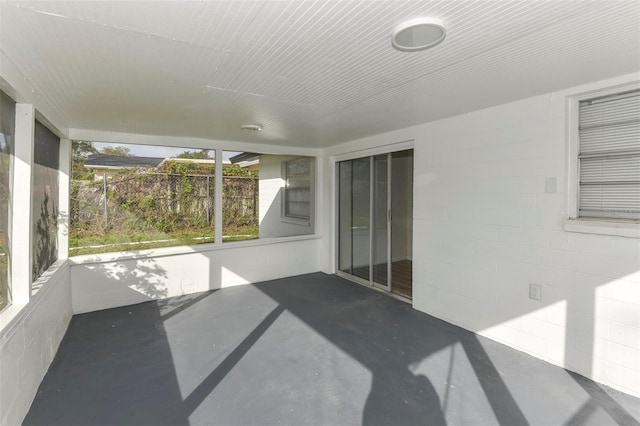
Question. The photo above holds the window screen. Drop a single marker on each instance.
(46, 158)
(610, 157)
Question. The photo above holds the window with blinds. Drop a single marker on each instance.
(609, 157)
(297, 189)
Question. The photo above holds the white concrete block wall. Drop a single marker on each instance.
(29, 342)
(111, 280)
(485, 228)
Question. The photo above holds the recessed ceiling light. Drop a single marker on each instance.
(252, 127)
(418, 34)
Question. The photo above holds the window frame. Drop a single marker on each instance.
(575, 223)
(9, 134)
(285, 217)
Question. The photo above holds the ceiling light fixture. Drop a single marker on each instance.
(252, 127)
(418, 34)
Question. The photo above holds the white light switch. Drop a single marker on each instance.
(552, 185)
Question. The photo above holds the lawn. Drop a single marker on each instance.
(93, 243)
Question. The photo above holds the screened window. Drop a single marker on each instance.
(138, 197)
(609, 157)
(266, 196)
(240, 196)
(297, 189)
(46, 159)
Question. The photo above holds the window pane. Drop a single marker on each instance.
(133, 197)
(45, 199)
(240, 189)
(345, 216)
(360, 222)
(298, 189)
(380, 225)
(610, 157)
(613, 201)
(7, 123)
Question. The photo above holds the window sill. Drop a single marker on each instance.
(295, 221)
(602, 227)
(89, 259)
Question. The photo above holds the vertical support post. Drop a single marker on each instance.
(208, 202)
(371, 195)
(256, 207)
(351, 190)
(22, 191)
(64, 174)
(106, 205)
(217, 216)
(389, 222)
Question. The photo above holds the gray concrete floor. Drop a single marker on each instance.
(312, 349)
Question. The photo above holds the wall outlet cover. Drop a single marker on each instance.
(535, 291)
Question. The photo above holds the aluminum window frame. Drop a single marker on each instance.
(572, 150)
(297, 219)
(607, 171)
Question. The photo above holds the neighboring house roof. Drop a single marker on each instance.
(244, 156)
(251, 163)
(116, 161)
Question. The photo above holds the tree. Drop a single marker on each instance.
(203, 154)
(120, 151)
(81, 150)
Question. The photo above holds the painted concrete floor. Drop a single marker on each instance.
(313, 349)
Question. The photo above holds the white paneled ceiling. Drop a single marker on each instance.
(313, 73)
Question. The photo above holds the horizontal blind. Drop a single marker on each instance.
(610, 157)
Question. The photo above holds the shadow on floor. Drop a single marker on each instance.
(313, 349)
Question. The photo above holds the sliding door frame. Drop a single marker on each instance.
(373, 222)
(371, 153)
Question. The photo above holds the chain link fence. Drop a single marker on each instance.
(142, 202)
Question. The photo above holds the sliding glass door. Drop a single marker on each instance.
(355, 220)
(367, 246)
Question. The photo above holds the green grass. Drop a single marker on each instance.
(87, 243)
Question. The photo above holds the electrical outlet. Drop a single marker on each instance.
(535, 291)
